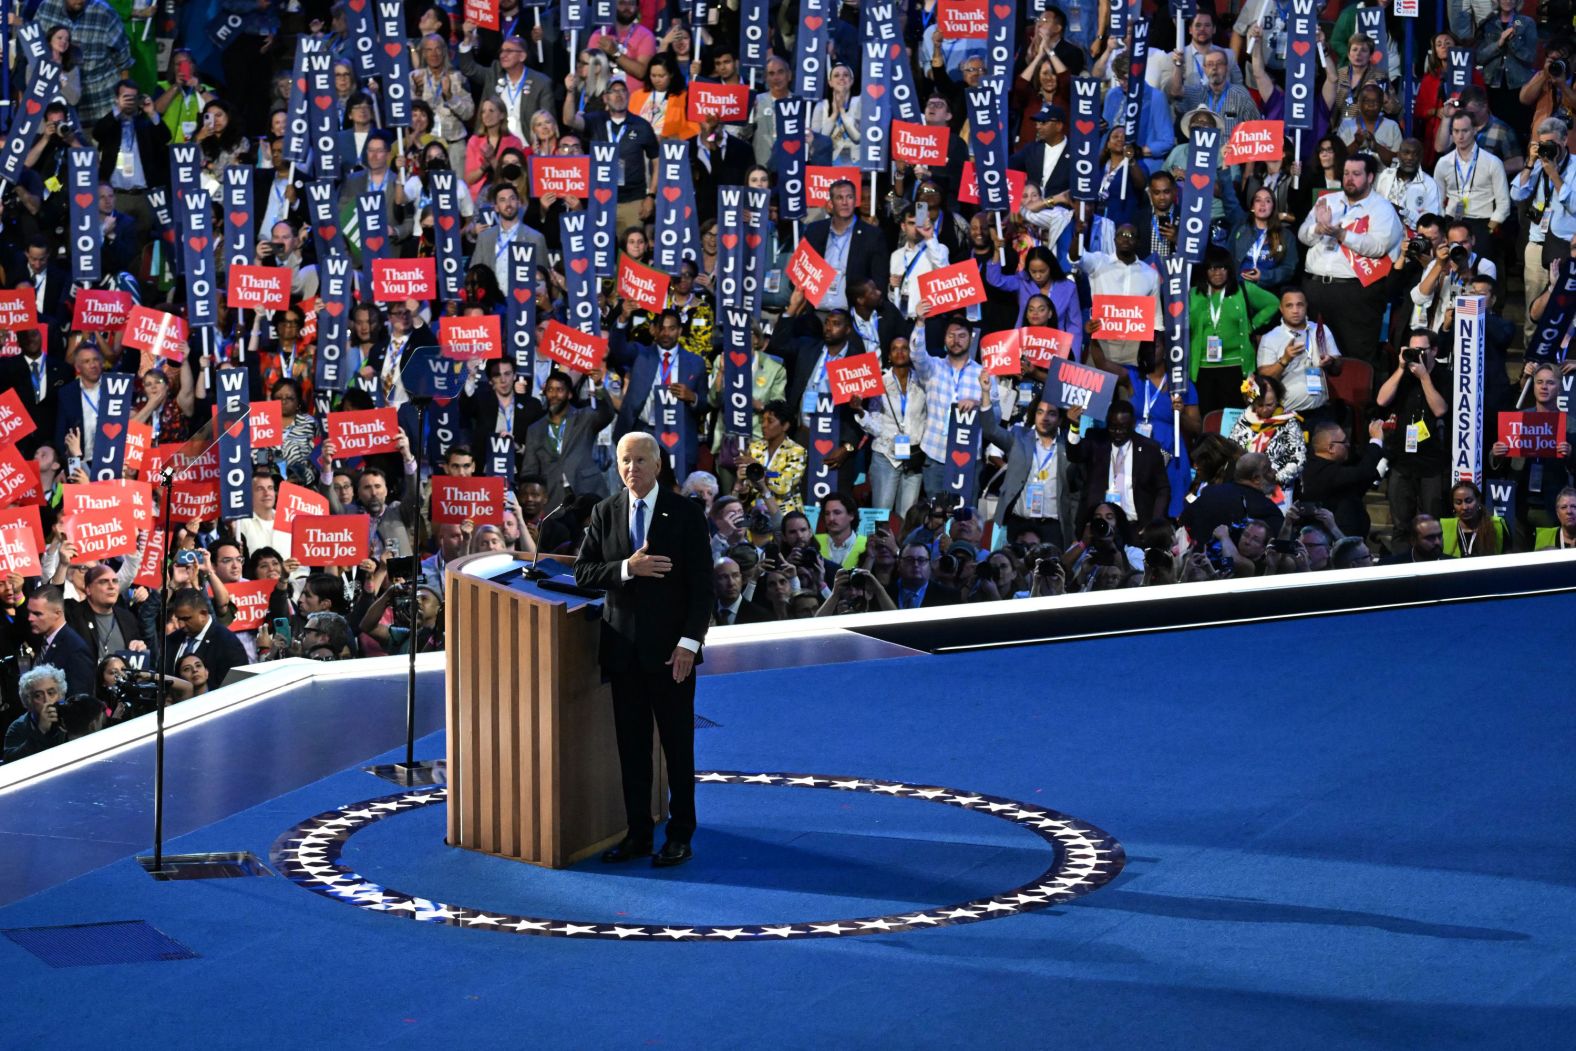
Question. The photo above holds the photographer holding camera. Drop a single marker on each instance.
(1548, 184)
(1419, 444)
(39, 727)
(1448, 275)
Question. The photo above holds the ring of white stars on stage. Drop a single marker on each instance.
(1086, 858)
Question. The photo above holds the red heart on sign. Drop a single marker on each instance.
(33, 106)
(961, 458)
(688, 211)
(792, 145)
(238, 218)
(323, 102)
(83, 199)
(987, 137)
(895, 50)
(753, 240)
(813, 23)
(334, 308)
(671, 192)
(1300, 46)
(301, 84)
(876, 90)
(446, 221)
(579, 265)
(373, 243)
(327, 232)
(197, 243)
(737, 358)
(824, 446)
(1085, 126)
(110, 430)
(358, 5)
(392, 49)
(602, 196)
(1002, 10)
(235, 428)
(730, 241)
(1176, 308)
(669, 438)
(522, 294)
(1199, 180)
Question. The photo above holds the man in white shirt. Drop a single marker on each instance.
(1353, 240)
(1300, 355)
(1472, 181)
(1122, 274)
(1448, 275)
(920, 253)
(1405, 185)
(1549, 182)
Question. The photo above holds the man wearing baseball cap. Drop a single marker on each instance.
(1045, 160)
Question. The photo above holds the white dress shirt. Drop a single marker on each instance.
(1381, 237)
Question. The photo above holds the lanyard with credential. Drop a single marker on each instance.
(1215, 310)
(900, 415)
(1043, 462)
(1464, 186)
(1257, 251)
(1151, 395)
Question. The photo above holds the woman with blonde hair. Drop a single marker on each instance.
(593, 74)
(543, 131)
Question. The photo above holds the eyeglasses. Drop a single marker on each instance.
(910, 560)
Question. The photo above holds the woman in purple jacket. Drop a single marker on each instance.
(1041, 276)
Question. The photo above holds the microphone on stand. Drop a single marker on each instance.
(531, 571)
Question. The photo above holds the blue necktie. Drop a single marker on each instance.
(640, 524)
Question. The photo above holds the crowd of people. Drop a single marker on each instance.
(1312, 396)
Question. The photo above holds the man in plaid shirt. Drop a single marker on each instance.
(949, 381)
(106, 53)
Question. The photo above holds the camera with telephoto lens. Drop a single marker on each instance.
(1419, 248)
(1101, 529)
(1460, 257)
(1412, 355)
(1557, 69)
(137, 690)
(755, 472)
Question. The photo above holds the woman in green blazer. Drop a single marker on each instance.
(1224, 314)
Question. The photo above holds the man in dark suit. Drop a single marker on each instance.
(1038, 490)
(648, 549)
(134, 150)
(560, 447)
(502, 400)
(728, 582)
(654, 372)
(720, 159)
(37, 379)
(1046, 160)
(201, 634)
(912, 588)
(856, 250)
(1123, 467)
(47, 281)
(55, 643)
(804, 347)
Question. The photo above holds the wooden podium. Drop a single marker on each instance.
(532, 758)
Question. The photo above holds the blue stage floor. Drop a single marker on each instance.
(1353, 831)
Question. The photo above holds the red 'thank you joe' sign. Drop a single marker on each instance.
(951, 287)
(483, 12)
(98, 310)
(297, 501)
(1255, 140)
(920, 143)
(258, 288)
(969, 187)
(963, 19)
(15, 422)
(1123, 317)
(154, 331)
(856, 376)
(19, 548)
(475, 336)
(363, 433)
(251, 603)
(458, 500)
(331, 540)
(818, 180)
(1535, 434)
(100, 534)
(396, 280)
(561, 176)
(17, 310)
(640, 284)
(1002, 352)
(809, 272)
(729, 103)
(580, 351)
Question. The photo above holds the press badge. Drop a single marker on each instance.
(1214, 352)
(1145, 428)
(1412, 437)
(808, 403)
(188, 129)
(902, 446)
(1034, 499)
(128, 163)
(1315, 383)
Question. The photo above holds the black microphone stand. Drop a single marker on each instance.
(531, 572)
(411, 772)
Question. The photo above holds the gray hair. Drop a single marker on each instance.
(702, 480)
(42, 673)
(641, 437)
(1554, 125)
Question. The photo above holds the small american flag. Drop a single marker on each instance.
(1469, 306)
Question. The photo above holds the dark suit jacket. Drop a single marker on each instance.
(56, 282)
(483, 417)
(935, 594)
(799, 354)
(1151, 485)
(219, 649)
(576, 462)
(727, 165)
(1226, 503)
(1342, 486)
(641, 361)
(153, 148)
(644, 618)
(868, 253)
(1031, 161)
(69, 652)
(15, 375)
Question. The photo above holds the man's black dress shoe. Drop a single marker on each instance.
(628, 850)
(672, 853)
